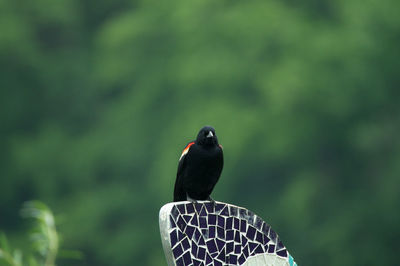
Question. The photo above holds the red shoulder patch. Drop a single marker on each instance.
(186, 149)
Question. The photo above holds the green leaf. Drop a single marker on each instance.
(4, 242)
(17, 256)
(70, 254)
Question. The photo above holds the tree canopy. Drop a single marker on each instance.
(98, 99)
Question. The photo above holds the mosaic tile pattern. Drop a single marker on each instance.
(205, 233)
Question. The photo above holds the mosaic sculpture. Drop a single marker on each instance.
(207, 233)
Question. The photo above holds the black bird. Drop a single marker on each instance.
(199, 167)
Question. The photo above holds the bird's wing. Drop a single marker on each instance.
(179, 192)
(185, 150)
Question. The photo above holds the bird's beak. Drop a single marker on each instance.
(210, 134)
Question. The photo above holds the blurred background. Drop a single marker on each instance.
(98, 99)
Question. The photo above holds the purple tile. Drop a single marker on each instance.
(282, 253)
(221, 255)
(229, 247)
(221, 221)
(241, 259)
(174, 212)
(181, 208)
(204, 232)
(252, 246)
(194, 220)
(185, 244)
(196, 262)
(217, 263)
(211, 232)
(229, 235)
(265, 228)
(186, 218)
(272, 234)
(244, 241)
(212, 219)
(203, 222)
(194, 249)
(180, 262)
(250, 220)
(201, 241)
(172, 222)
(243, 226)
(181, 223)
(220, 244)
(258, 223)
(237, 236)
(219, 207)
(201, 253)
(245, 251)
(259, 237)
(198, 207)
(280, 245)
(173, 236)
(197, 235)
(220, 232)
(208, 259)
(203, 212)
(265, 239)
(259, 249)
(236, 223)
(225, 211)
(251, 231)
(242, 213)
(209, 207)
(177, 251)
(211, 246)
(187, 258)
(213, 255)
(233, 211)
(238, 249)
(189, 208)
(181, 235)
(271, 248)
(233, 259)
(229, 222)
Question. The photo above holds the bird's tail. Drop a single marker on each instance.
(179, 193)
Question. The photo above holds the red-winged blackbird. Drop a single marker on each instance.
(199, 167)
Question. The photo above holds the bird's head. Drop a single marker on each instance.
(207, 137)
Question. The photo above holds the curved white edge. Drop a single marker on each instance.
(164, 226)
(257, 260)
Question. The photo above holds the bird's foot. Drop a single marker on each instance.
(212, 201)
(190, 199)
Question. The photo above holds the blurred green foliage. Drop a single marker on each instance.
(97, 99)
(44, 238)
